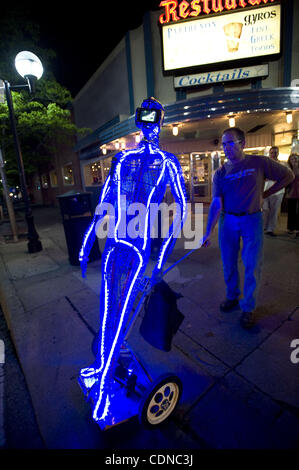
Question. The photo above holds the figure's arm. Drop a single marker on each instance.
(177, 184)
(90, 233)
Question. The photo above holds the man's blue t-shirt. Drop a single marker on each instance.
(241, 185)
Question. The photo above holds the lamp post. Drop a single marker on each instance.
(29, 67)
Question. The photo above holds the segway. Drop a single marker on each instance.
(134, 392)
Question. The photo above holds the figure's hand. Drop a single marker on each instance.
(206, 240)
(83, 264)
(156, 277)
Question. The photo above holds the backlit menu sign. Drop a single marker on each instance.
(227, 37)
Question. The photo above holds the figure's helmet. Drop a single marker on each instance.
(149, 115)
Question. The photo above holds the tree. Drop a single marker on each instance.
(43, 119)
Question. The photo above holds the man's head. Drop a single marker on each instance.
(274, 152)
(149, 118)
(233, 143)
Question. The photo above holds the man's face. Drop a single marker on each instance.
(273, 153)
(232, 146)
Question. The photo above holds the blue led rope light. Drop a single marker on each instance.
(141, 175)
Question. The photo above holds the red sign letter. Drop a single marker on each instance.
(242, 3)
(219, 6)
(206, 8)
(230, 4)
(183, 9)
(169, 10)
(254, 2)
(196, 8)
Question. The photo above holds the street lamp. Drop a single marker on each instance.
(29, 67)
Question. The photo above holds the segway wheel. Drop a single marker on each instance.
(160, 400)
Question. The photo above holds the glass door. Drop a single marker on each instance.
(200, 174)
(184, 159)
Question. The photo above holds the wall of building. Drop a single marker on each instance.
(164, 88)
(106, 94)
(43, 190)
(138, 65)
(93, 108)
(295, 57)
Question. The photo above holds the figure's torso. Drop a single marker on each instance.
(140, 176)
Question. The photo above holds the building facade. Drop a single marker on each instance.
(213, 64)
(57, 177)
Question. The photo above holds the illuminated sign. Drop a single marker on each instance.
(175, 11)
(210, 40)
(240, 73)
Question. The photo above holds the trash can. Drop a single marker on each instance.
(76, 212)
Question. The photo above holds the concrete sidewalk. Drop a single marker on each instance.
(240, 388)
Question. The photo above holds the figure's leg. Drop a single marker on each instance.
(252, 255)
(229, 242)
(89, 374)
(121, 291)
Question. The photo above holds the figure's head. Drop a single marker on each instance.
(149, 118)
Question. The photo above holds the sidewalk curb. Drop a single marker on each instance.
(9, 299)
(13, 310)
(9, 302)
(2, 362)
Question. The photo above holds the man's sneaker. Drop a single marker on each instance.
(272, 234)
(229, 305)
(246, 320)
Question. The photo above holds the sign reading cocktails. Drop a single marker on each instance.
(240, 34)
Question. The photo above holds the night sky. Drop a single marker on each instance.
(82, 33)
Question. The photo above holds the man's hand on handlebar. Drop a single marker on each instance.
(206, 241)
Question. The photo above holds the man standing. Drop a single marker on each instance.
(272, 204)
(238, 192)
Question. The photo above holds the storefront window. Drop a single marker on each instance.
(184, 160)
(106, 166)
(201, 166)
(53, 178)
(67, 173)
(93, 174)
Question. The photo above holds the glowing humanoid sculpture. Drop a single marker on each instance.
(141, 175)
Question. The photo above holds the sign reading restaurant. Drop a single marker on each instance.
(175, 11)
(240, 34)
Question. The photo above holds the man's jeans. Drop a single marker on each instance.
(232, 229)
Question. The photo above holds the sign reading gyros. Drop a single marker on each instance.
(229, 37)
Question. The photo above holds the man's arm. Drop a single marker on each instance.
(213, 216)
(282, 183)
(279, 173)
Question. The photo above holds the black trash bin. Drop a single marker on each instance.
(76, 212)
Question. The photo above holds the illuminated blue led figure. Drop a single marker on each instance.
(141, 175)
